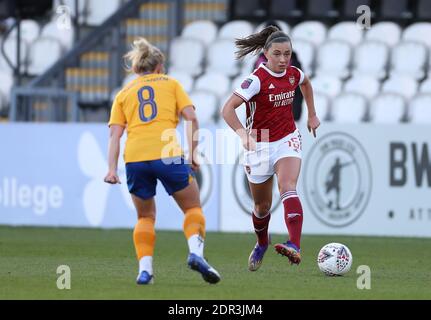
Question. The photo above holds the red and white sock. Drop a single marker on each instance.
(293, 216)
(261, 228)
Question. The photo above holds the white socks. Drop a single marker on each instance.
(146, 264)
(196, 245)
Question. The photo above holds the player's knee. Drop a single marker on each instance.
(288, 185)
(262, 208)
(146, 214)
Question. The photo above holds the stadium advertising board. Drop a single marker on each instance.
(52, 175)
(360, 179)
(357, 180)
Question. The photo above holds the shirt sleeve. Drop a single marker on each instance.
(249, 88)
(117, 113)
(301, 75)
(183, 100)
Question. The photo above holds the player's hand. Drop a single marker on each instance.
(248, 143)
(194, 163)
(313, 123)
(112, 178)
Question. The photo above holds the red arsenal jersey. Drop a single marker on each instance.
(269, 99)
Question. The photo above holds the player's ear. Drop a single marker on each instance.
(266, 53)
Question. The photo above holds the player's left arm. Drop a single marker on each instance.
(116, 131)
(313, 121)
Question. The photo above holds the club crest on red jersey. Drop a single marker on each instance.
(292, 80)
(246, 83)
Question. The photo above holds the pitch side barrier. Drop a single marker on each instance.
(362, 179)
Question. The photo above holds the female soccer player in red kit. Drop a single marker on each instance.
(271, 140)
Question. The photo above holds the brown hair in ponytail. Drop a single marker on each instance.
(261, 40)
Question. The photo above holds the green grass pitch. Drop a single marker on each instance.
(103, 266)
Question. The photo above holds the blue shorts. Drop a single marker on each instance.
(142, 176)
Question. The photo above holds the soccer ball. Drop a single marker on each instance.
(334, 259)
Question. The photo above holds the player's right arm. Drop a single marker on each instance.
(116, 131)
(229, 115)
(249, 88)
(117, 124)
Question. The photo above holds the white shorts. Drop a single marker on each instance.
(259, 164)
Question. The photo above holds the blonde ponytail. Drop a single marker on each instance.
(143, 57)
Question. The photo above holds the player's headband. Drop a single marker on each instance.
(280, 38)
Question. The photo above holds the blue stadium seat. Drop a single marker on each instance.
(424, 10)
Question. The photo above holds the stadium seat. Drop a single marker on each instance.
(349, 7)
(327, 85)
(217, 83)
(248, 9)
(221, 58)
(30, 30)
(409, 59)
(6, 83)
(388, 108)
(283, 25)
(70, 4)
(321, 9)
(423, 10)
(214, 10)
(395, 9)
(313, 31)
(114, 94)
(402, 85)
(334, 58)
(346, 31)
(425, 86)
(248, 63)
(184, 78)
(371, 58)
(3, 104)
(65, 36)
(306, 55)
(203, 30)
(4, 67)
(236, 82)
(206, 104)
(130, 77)
(321, 104)
(420, 109)
(349, 108)
(364, 85)
(291, 9)
(100, 10)
(235, 29)
(420, 32)
(38, 60)
(186, 55)
(385, 31)
(10, 50)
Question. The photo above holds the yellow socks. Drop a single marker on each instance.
(194, 222)
(144, 237)
(194, 230)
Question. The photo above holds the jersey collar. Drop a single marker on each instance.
(272, 73)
